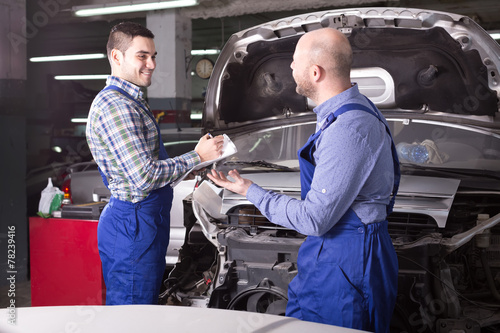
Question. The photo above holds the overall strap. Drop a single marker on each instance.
(163, 153)
(356, 106)
(126, 94)
(148, 112)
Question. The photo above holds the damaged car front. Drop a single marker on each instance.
(435, 77)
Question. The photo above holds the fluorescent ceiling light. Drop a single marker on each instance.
(205, 52)
(495, 35)
(196, 116)
(119, 8)
(69, 57)
(82, 77)
(79, 120)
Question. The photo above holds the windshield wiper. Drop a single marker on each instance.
(260, 163)
(461, 172)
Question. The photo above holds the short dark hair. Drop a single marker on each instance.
(121, 35)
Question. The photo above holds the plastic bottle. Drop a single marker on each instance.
(483, 239)
(412, 152)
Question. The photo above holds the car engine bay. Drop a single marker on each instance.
(448, 276)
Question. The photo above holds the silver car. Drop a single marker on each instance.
(436, 78)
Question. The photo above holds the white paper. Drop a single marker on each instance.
(228, 149)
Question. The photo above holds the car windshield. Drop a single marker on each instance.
(446, 146)
(273, 149)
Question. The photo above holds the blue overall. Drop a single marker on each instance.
(133, 239)
(348, 276)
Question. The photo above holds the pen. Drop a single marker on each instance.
(210, 136)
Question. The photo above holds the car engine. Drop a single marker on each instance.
(449, 259)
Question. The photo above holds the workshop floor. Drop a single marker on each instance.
(22, 294)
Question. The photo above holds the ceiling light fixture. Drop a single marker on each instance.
(69, 57)
(204, 52)
(82, 77)
(79, 120)
(120, 8)
(495, 35)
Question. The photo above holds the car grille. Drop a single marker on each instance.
(410, 225)
(250, 217)
(400, 224)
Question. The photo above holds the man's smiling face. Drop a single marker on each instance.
(139, 62)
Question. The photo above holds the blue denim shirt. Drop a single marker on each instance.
(354, 168)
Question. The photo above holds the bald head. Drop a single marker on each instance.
(329, 49)
(321, 65)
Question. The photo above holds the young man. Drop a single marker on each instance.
(125, 141)
(347, 266)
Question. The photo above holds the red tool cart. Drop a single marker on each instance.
(65, 264)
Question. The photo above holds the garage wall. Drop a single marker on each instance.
(13, 195)
(12, 141)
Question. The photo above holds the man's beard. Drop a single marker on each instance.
(305, 88)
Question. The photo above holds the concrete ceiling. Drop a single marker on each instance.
(215, 20)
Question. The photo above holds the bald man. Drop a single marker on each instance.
(347, 266)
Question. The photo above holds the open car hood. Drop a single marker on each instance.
(405, 60)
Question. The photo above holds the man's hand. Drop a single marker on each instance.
(209, 148)
(240, 185)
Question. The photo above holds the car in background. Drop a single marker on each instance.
(85, 194)
(83, 183)
(436, 78)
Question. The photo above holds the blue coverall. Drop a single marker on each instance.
(348, 276)
(132, 240)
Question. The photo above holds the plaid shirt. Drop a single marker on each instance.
(124, 142)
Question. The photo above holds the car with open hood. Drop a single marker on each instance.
(435, 77)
